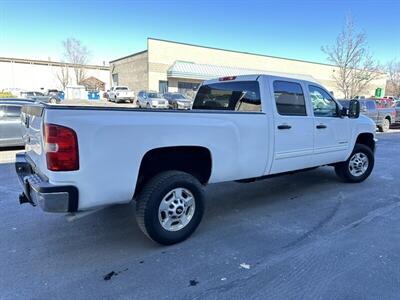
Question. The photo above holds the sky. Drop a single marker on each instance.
(113, 29)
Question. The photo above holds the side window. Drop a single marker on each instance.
(363, 106)
(289, 98)
(230, 95)
(323, 104)
(13, 112)
(371, 105)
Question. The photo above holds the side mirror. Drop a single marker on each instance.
(354, 109)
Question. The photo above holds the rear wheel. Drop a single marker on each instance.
(170, 207)
(359, 165)
(385, 125)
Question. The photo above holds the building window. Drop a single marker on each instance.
(163, 86)
(289, 98)
(115, 79)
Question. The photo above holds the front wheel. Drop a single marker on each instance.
(359, 165)
(170, 207)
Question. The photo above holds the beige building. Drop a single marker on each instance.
(173, 66)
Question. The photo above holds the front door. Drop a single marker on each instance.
(293, 128)
(331, 130)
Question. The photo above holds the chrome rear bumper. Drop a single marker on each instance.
(38, 191)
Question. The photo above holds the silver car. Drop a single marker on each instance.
(151, 99)
(178, 101)
(10, 122)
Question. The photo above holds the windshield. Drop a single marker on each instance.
(178, 96)
(121, 88)
(233, 95)
(154, 95)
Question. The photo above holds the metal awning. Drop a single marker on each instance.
(190, 70)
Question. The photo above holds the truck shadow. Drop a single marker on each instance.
(223, 200)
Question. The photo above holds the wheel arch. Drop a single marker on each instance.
(195, 160)
(367, 139)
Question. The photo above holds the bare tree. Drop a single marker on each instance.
(356, 66)
(63, 76)
(393, 69)
(78, 55)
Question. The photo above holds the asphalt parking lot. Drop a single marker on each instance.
(302, 236)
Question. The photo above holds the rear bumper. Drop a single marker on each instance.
(38, 191)
(125, 98)
(160, 105)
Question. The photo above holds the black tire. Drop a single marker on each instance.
(148, 106)
(150, 197)
(343, 171)
(385, 125)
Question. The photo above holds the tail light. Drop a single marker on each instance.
(61, 147)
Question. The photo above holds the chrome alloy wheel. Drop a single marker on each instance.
(176, 209)
(358, 164)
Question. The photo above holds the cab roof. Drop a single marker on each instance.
(253, 77)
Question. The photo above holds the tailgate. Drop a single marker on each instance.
(32, 119)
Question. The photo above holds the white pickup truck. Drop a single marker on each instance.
(121, 94)
(244, 128)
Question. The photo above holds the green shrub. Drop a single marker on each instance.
(6, 95)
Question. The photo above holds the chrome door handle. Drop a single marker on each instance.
(321, 126)
(284, 126)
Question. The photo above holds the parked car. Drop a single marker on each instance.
(382, 116)
(242, 128)
(10, 121)
(151, 99)
(31, 94)
(178, 101)
(121, 94)
(50, 97)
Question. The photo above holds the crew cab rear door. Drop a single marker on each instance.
(331, 130)
(293, 126)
